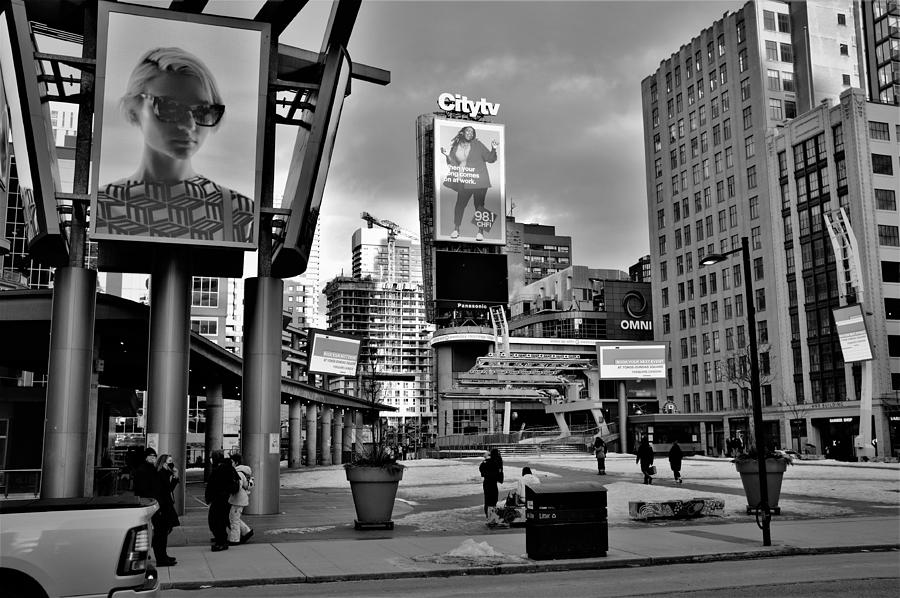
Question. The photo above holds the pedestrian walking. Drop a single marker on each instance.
(166, 517)
(223, 482)
(491, 469)
(675, 456)
(645, 458)
(600, 454)
(238, 531)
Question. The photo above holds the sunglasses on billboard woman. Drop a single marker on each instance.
(170, 111)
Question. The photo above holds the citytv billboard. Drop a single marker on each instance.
(332, 353)
(852, 334)
(469, 182)
(631, 361)
(180, 104)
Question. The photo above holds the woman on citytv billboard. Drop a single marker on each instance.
(178, 150)
(470, 182)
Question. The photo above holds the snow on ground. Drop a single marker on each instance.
(429, 479)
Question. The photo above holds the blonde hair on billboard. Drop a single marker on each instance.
(158, 61)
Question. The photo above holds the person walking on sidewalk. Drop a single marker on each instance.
(600, 454)
(223, 482)
(675, 456)
(491, 469)
(645, 458)
(238, 531)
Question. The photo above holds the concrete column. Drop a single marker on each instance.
(261, 404)
(168, 358)
(623, 418)
(703, 444)
(337, 438)
(214, 436)
(348, 436)
(294, 422)
(69, 383)
(325, 444)
(312, 420)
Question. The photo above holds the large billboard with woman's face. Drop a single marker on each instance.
(180, 102)
(469, 182)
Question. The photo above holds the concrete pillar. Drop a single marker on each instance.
(325, 450)
(703, 444)
(214, 437)
(168, 358)
(69, 383)
(623, 418)
(312, 420)
(294, 422)
(337, 437)
(348, 436)
(261, 404)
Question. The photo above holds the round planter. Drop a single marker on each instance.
(749, 470)
(374, 490)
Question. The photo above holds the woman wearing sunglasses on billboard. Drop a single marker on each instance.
(173, 99)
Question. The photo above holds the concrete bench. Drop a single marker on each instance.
(675, 509)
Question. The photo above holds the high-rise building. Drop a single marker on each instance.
(533, 252)
(389, 315)
(880, 31)
(641, 270)
(707, 111)
(303, 294)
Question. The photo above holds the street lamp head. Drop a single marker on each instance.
(712, 258)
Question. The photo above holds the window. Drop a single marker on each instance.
(790, 109)
(768, 20)
(702, 115)
(774, 79)
(657, 143)
(885, 199)
(729, 157)
(748, 117)
(662, 245)
(743, 61)
(754, 207)
(845, 50)
(842, 18)
(756, 239)
(749, 147)
(776, 111)
(751, 177)
(692, 121)
(845, 80)
(710, 54)
(882, 164)
(713, 82)
(745, 90)
(732, 216)
(784, 23)
(888, 235)
(741, 31)
(205, 326)
(720, 42)
(787, 81)
(726, 129)
(658, 167)
(677, 76)
(659, 192)
(661, 219)
(690, 95)
(205, 292)
(787, 53)
(771, 50)
(879, 130)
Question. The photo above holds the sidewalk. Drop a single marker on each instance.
(426, 556)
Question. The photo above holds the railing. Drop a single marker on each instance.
(19, 481)
(549, 435)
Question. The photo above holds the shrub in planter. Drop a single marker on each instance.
(374, 476)
(747, 465)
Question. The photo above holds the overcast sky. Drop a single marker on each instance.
(567, 77)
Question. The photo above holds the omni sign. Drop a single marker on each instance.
(635, 305)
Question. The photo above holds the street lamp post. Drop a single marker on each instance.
(756, 397)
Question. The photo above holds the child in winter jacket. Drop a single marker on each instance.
(238, 531)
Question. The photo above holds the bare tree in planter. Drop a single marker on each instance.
(736, 371)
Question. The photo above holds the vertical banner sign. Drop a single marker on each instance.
(180, 104)
(852, 334)
(469, 182)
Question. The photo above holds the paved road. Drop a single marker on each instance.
(873, 574)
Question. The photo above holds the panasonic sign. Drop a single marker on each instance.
(454, 102)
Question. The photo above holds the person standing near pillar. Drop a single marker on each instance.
(166, 518)
(223, 482)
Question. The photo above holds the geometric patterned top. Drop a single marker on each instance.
(189, 209)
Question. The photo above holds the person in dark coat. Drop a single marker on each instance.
(145, 475)
(492, 471)
(223, 482)
(645, 458)
(166, 518)
(675, 456)
(600, 454)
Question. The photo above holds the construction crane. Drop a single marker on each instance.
(393, 229)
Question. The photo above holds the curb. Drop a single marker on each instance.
(536, 567)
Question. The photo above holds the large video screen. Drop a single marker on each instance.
(180, 102)
(332, 353)
(470, 277)
(852, 334)
(632, 361)
(470, 182)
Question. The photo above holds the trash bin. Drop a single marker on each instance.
(566, 520)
